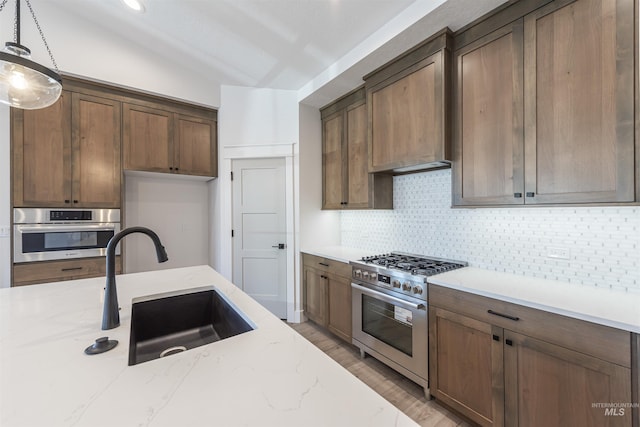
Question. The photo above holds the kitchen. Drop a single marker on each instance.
(568, 244)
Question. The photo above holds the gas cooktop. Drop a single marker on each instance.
(400, 273)
(415, 265)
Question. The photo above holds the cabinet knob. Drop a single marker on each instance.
(170, 168)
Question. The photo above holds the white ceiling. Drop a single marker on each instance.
(321, 48)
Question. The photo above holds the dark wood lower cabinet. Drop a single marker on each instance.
(529, 369)
(549, 385)
(327, 294)
(466, 366)
(32, 273)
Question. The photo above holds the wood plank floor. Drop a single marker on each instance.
(401, 392)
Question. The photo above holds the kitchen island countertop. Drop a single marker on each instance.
(268, 376)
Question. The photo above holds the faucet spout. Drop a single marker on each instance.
(110, 314)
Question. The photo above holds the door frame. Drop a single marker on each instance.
(245, 152)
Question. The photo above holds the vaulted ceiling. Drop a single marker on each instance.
(318, 47)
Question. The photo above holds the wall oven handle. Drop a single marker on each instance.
(64, 228)
(387, 298)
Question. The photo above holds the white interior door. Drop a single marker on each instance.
(259, 231)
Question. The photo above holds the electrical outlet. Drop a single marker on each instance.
(4, 231)
(559, 253)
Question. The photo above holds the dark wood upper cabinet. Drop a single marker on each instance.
(579, 102)
(67, 155)
(488, 126)
(408, 101)
(545, 106)
(95, 150)
(157, 138)
(147, 138)
(346, 181)
(41, 148)
(195, 146)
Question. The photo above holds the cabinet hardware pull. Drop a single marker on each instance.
(75, 201)
(517, 195)
(531, 194)
(177, 169)
(496, 338)
(67, 201)
(322, 263)
(508, 342)
(170, 168)
(506, 316)
(72, 268)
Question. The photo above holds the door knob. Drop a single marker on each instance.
(279, 246)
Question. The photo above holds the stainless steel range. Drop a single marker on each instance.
(390, 322)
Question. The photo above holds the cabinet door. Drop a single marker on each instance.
(332, 162)
(147, 139)
(579, 102)
(488, 140)
(195, 146)
(315, 296)
(96, 152)
(407, 118)
(357, 160)
(547, 385)
(466, 366)
(339, 321)
(42, 155)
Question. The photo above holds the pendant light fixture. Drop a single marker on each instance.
(24, 83)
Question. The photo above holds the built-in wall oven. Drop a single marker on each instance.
(41, 234)
(390, 321)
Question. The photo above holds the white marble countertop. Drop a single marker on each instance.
(271, 376)
(338, 253)
(598, 305)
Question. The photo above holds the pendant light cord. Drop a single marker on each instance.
(16, 29)
(53, 61)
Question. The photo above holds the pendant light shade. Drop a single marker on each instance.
(24, 83)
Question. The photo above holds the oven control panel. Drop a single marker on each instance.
(396, 284)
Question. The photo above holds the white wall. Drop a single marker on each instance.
(177, 210)
(603, 243)
(250, 120)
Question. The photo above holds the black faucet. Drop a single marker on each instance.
(110, 314)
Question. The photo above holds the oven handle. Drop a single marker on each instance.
(65, 228)
(387, 298)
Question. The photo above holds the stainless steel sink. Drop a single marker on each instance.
(173, 322)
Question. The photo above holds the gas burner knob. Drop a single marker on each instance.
(357, 273)
(417, 290)
(373, 276)
(365, 274)
(396, 283)
(406, 286)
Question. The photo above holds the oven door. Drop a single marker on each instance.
(45, 242)
(395, 328)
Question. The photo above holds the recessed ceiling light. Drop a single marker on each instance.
(136, 5)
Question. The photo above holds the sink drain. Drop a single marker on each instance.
(173, 350)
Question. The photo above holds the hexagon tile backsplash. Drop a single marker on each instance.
(596, 246)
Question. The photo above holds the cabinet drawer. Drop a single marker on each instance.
(327, 265)
(55, 271)
(603, 342)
